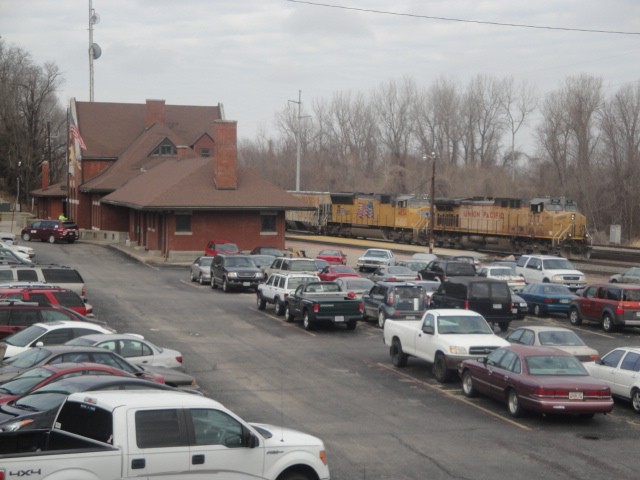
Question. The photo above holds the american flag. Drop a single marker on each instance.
(365, 210)
(75, 133)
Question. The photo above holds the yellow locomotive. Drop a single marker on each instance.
(544, 225)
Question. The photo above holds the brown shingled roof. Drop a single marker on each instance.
(188, 184)
(55, 190)
(134, 160)
(109, 128)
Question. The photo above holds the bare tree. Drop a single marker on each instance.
(517, 103)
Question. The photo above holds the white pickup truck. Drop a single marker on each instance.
(114, 435)
(443, 338)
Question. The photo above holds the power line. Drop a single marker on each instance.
(460, 20)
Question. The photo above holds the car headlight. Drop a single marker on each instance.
(457, 350)
(259, 275)
(232, 274)
(557, 278)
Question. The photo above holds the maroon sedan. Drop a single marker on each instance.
(37, 377)
(541, 379)
(331, 272)
(332, 255)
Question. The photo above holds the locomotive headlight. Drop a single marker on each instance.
(573, 216)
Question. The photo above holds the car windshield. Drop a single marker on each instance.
(460, 268)
(555, 337)
(409, 293)
(303, 266)
(24, 337)
(227, 247)
(463, 324)
(358, 284)
(343, 269)
(297, 281)
(557, 264)
(500, 272)
(399, 271)
(330, 253)
(555, 365)
(323, 287)
(415, 266)
(241, 262)
(41, 400)
(206, 261)
(550, 289)
(376, 253)
(21, 384)
(29, 358)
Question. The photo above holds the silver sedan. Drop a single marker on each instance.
(394, 274)
(200, 270)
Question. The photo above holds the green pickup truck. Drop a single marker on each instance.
(323, 302)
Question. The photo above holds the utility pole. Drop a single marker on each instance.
(299, 119)
(94, 49)
(432, 199)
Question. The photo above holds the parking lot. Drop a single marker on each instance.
(378, 422)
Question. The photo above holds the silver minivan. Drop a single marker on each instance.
(65, 277)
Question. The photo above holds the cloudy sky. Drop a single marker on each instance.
(253, 56)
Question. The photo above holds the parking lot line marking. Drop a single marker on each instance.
(283, 323)
(191, 284)
(450, 394)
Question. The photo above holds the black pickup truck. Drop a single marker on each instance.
(323, 302)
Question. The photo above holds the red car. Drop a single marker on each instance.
(48, 295)
(541, 379)
(333, 255)
(37, 377)
(214, 247)
(331, 272)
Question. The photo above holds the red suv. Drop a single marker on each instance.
(48, 295)
(214, 247)
(611, 304)
(16, 315)
(51, 231)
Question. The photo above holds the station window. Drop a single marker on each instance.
(268, 222)
(183, 223)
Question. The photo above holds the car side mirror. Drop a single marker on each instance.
(428, 329)
(40, 344)
(483, 360)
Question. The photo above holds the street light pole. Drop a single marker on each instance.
(299, 118)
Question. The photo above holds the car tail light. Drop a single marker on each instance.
(84, 292)
(286, 295)
(392, 279)
(179, 359)
(619, 310)
(466, 304)
(1, 474)
(548, 300)
(316, 308)
(351, 294)
(593, 358)
(544, 392)
(597, 393)
(392, 298)
(360, 307)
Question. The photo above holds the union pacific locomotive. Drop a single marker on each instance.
(510, 225)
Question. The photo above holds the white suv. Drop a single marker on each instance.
(278, 287)
(547, 268)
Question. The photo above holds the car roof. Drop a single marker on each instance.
(72, 348)
(72, 366)
(89, 382)
(543, 328)
(55, 324)
(110, 400)
(531, 350)
(98, 337)
(454, 311)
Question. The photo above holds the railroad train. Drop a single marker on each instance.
(509, 225)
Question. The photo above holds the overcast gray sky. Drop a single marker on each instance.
(254, 55)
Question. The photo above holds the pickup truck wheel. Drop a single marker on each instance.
(295, 476)
(607, 323)
(261, 302)
(306, 321)
(467, 384)
(381, 319)
(537, 310)
(288, 316)
(513, 404)
(574, 317)
(440, 370)
(351, 325)
(279, 307)
(398, 357)
(635, 400)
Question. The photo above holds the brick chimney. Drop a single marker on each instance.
(155, 112)
(225, 155)
(45, 174)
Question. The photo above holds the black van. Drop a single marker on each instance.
(489, 297)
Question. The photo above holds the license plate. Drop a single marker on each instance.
(514, 310)
(413, 317)
(576, 395)
(496, 306)
(340, 318)
(564, 300)
(246, 284)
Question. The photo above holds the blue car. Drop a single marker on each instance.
(546, 298)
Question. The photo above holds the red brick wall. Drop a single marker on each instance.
(242, 228)
(91, 168)
(113, 218)
(155, 112)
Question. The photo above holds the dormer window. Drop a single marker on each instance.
(165, 149)
(205, 152)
